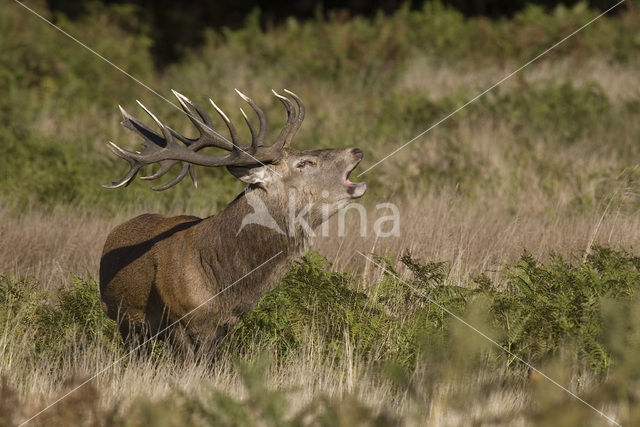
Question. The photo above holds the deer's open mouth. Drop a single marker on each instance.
(355, 189)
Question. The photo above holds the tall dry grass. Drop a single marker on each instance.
(474, 236)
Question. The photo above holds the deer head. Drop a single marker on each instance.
(275, 170)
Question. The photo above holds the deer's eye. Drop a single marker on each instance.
(305, 163)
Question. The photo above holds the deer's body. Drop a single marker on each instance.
(200, 276)
(159, 269)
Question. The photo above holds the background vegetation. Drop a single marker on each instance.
(174, 29)
(519, 214)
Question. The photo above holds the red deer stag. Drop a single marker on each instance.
(156, 270)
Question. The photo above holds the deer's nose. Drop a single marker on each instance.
(358, 153)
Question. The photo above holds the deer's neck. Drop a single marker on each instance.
(271, 216)
(253, 229)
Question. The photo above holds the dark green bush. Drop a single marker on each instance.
(311, 300)
(55, 323)
(543, 308)
(75, 316)
(561, 113)
(388, 323)
(548, 305)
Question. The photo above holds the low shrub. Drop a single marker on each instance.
(52, 324)
(546, 306)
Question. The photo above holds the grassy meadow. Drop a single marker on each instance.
(520, 215)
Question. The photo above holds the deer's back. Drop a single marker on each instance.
(129, 262)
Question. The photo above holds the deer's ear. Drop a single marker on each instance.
(252, 174)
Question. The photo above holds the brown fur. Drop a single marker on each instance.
(158, 270)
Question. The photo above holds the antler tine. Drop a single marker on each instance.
(202, 122)
(153, 143)
(186, 167)
(258, 141)
(133, 170)
(166, 150)
(140, 128)
(232, 130)
(208, 137)
(299, 119)
(165, 166)
(177, 179)
(249, 125)
(168, 136)
(189, 107)
(192, 174)
(291, 117)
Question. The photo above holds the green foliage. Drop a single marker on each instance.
(75, 317)
(543, 308)
(311, 300)
(58, 104)
(621, 337)
(548, 305)
(52, 324)
(388, 324)
(419, 308)
(20, 301)
(561, 113)
(580, 315)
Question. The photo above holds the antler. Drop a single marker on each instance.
(166, 151)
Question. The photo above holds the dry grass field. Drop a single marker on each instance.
(544, 166)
